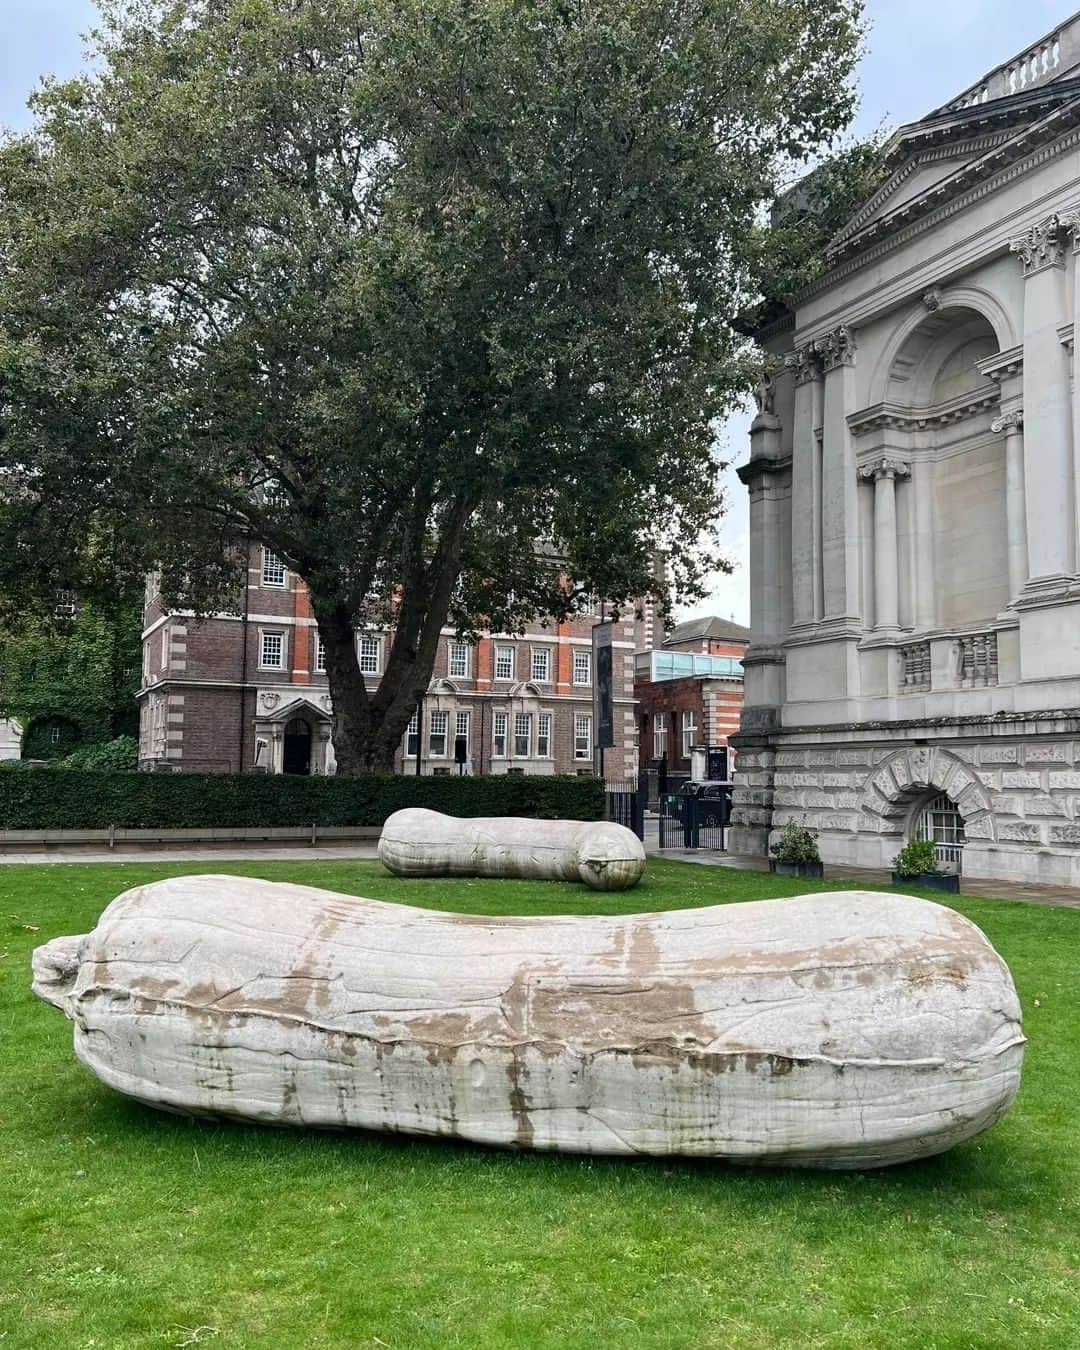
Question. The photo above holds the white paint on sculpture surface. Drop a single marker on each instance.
(420, 843)
(836, 1030)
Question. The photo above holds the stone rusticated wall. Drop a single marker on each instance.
(1019, 795)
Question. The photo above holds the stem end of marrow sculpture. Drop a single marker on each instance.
(845, 1030)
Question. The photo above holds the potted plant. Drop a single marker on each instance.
(795, 853)
(916, 865)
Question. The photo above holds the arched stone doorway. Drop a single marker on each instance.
(297, 747)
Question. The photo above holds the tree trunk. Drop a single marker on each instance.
(366, 738)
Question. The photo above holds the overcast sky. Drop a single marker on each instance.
(920, 53)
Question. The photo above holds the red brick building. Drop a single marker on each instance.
(690, 692)
(241, 692)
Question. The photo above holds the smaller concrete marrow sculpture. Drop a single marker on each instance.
(836, 1030)
(420, 843)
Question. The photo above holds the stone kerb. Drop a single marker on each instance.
(898, 780)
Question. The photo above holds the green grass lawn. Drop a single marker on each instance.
(121, 1227)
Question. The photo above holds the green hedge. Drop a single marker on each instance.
(76, 800)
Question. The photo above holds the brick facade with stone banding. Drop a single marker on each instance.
(210, 704)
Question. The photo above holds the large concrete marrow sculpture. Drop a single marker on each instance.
(836, 1030)
(420, 843)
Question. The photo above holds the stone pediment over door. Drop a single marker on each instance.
(275, 708)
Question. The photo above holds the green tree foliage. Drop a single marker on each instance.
(71, 683)
(396, 288)
(805, 219)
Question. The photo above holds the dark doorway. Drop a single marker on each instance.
(297, 747)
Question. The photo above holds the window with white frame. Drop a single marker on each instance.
(583, 667)
(522, 735)
(272, 650)
(437, 724)
(659, 735)
(689, 732)
(370, 652)
(543, 736)
(273, 571)
(582, 736)
(412, 736)
(320, 654)
(498, 735)
(66, 605)
(504, 663)
(457, 665)
(462, 721)
(541, 665)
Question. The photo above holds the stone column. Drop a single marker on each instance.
(1048, 454)
(1071, 223)
(767, 477)
(839, 487)
(805, 547)
(884, 474)
(1012, 424)
(925, 607)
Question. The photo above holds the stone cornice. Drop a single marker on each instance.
(990, 162)
(897, 417)
(758, 468)
(1002, 365)
(854, 261)
(922, 157)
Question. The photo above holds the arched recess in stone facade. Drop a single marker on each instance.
(971, 301)
(933, 429)
(909, 775)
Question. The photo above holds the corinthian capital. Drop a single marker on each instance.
(1041, 246)
(1070, 223)
(884, 468)
(837, 348)
(804, 362)
(1010, 421)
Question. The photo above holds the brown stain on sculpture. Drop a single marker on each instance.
(517, 1073)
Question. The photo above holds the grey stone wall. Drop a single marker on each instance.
(1019, 795)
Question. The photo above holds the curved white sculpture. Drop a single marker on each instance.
(836, 1030)
(420, 843)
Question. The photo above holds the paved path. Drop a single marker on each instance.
(222, 853)
(1063, 896)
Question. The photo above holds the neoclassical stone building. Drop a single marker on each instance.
(915, 513)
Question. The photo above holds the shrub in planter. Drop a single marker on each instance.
(795, 853)
(916, 865)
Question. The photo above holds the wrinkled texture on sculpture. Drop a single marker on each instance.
(420, 843)
(837, 1030)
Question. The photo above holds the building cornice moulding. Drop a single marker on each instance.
(990, 161)
(851, 265)
(897, 417)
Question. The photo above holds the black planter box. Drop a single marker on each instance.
(930, 881)
(803, 869)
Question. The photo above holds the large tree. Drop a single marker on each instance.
(433, 298)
